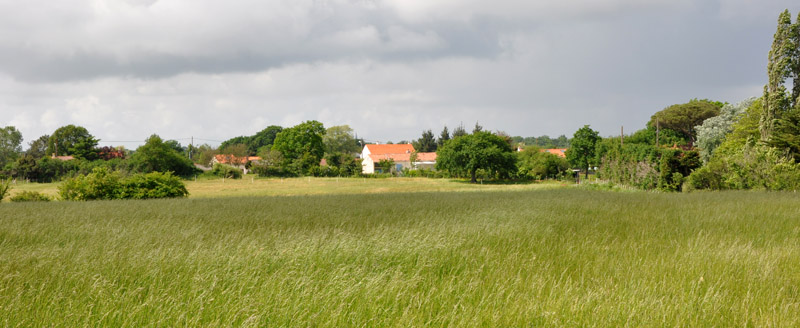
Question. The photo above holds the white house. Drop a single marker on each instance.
(401, 154)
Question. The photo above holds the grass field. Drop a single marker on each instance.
(508, 256)
(252, 186)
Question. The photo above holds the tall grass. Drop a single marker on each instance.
(562, 257)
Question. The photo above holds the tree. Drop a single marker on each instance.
(465, 155)
(536, 164)
(10, 141)
(38, 147)
(713, 130)
(786, 135)
(779, 68)
(340, 139)
(683, 118)
(581, 152)
(443, 137)
(426, 143)
(477, 128)
(301, 145)
(204, 154)
(264, 138)
(157, 156)
(459, 131)
(73, 140)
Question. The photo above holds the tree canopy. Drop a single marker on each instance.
(10, 141)
(465, 155)
(426, 143)
(581, 153)
(301, 145)
(158, 156)
(683, 118)
(73, 140)
(340, 139)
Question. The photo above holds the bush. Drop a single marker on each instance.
(226, 171)
(5, 186)
(103, 184)
(153, 185)
(30, 196)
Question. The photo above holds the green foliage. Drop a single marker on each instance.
(103, 184)
(226, 171)
(635, 165)
(263, 138)
(5, 187)
(157, 156)
(535, 164)
(786, 134)
(38, 147)
(10, 141)
(444, 136)
(783, 54)
(74, 141)
(744, 131)
(30, 196)
(674, 166)
(153, 185)
(385, 166)
(464, 156)
(340, 139)
(756, 166)
(581, 153)
(100, 184)
(683, 118)
(712, 132)
(426, 143)
(544, 141)
(459, 131)
(301, 146)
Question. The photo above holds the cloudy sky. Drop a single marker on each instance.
(126, 69)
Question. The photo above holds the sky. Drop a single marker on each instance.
(390, 69)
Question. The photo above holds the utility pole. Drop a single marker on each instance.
(191, 148)
(622, 135)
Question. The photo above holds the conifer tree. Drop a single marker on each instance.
(782, 55)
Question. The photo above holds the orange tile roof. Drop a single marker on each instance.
(404, 157)
(556, 151)
(390, 149)
(227, 159)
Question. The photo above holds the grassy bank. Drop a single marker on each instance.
(562, 257)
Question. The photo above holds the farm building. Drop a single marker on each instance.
(560, 152)
(235, 161)
(401, 154)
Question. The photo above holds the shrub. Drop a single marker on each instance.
(30, 196)
(5, 186)
(100, 184)
(103, 184)
(226, 171)
(153, 185)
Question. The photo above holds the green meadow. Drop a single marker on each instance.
(402, 252)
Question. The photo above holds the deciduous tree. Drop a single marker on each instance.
(581, 153)
(10, 141)
(73, 140)
(683, 118)
(465, 155)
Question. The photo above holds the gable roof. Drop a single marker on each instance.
(227, 159)
(404, 157)
(390, 149)
(556, 151)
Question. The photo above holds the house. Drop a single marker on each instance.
(401, 154)
(63, 158)
(556, 151)
(235, 161)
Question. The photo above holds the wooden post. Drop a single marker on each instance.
(622, 135)
(657, 131)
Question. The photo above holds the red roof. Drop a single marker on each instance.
(404, 157)
(556, 151)
(390, 149)
(227, 159)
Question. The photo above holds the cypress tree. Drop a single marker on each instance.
(779, 68)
